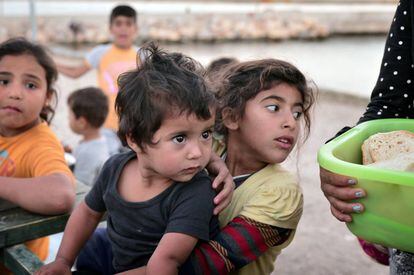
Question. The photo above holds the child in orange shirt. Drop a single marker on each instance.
(110, 60)
(33, 171)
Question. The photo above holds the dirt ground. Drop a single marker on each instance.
(322, 244)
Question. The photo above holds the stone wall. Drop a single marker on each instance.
(268, 24)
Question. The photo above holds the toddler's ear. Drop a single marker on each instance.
(230, 119)
(133, 145)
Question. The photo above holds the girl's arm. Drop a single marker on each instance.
(49, 195)
(79, 228)
(239, 243)
(171, 252)
(223, 182)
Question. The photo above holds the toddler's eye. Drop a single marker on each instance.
(31, 86)
(4, 82)
(179, 139)
(297, 115)
(206, 134)
(272, 108)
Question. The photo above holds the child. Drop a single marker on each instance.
(262, 105)
(217, 65)
(158, 198)
(110, 61)
(33, 172)
(88, 109)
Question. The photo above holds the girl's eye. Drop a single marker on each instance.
(297, 115)
(272, 108)
(4, 82)
(206, 134)
(178, 139)
(31, 86)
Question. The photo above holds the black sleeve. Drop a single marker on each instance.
(193, 209)
(393, 94)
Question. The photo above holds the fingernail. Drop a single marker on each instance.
(357, 208)
(359, 194)
(351, 182)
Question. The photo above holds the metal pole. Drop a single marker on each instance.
(33, 19)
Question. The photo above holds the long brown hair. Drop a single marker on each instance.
(243, 81)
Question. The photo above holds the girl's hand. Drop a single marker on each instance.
(223, 183)
(338, 190)
(58, 267)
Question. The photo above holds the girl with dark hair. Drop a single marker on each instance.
(33, 171)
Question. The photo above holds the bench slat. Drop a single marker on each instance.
(21, 260)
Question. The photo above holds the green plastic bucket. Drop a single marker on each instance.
(388, 218)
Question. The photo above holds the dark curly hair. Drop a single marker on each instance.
(159, 88)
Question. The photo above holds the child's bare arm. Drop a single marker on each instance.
(51, 194)
(171, 252)
(137, 271)
(79, 228)
(223, 182)
(73, 71)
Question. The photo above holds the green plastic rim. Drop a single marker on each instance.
(327, 155)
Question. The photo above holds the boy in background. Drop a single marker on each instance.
(110, 60)
(88, 109)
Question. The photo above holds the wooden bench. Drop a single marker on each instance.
(18, 226)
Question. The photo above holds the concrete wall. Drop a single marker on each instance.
(273, 21)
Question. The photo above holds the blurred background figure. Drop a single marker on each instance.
(217, 65)
(88, 109)
(110, 60)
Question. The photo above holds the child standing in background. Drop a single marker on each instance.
(33, 171)
(110, 61)
(88, 109)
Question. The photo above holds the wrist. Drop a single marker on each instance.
(64, 261)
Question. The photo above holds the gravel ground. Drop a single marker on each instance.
(322, 245)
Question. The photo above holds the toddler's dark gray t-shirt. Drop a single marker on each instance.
(135, 228)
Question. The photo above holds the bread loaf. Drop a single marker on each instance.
(403, 162)
(392, 150)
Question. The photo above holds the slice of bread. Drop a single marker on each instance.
(402, 162)
(366, 155)
(386, 146)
